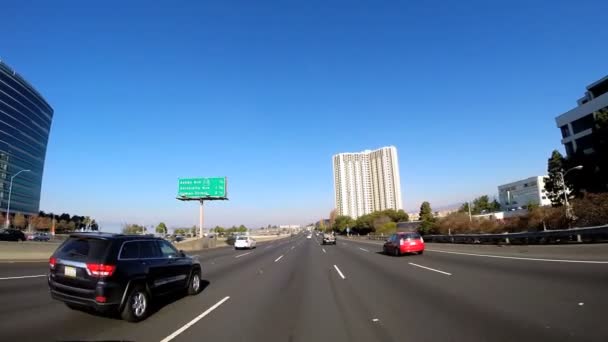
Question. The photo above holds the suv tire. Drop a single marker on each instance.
(194, 286)
(137, 306)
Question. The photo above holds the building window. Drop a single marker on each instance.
(584, 144)
(565, 131)
(544, 197)
(569, 148)
(584, 123)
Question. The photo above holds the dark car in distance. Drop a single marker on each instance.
(12, 235)
(116, 273)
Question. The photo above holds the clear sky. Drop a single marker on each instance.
(265, 92)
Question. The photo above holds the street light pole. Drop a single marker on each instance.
(10, 191)
(566, 202)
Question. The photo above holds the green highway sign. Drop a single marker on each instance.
(194, 188)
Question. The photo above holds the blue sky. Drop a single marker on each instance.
(265, 92)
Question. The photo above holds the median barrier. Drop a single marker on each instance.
(571, 235)
(27, 250)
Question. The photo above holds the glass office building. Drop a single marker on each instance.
(25, 123)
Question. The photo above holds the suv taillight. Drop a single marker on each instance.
(52, 262)
(101, 270)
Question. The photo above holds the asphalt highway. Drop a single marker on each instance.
(295, 289)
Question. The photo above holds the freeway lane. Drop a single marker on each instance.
(291, 290)
(26, 303)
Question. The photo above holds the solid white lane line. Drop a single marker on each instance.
(24, 277)
(268, 247)
(339, 272)
(292, 247)
(279, 258)
(240, 255)
(430, 269)
(323, 250)
(363, 249)
(521, 258)
(192, 322)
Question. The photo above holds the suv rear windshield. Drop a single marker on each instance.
(241, 238)
(84, 249)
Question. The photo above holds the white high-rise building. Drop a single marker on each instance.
(367, 181)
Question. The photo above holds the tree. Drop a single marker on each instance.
(86, 222)
(481, 204)
(553, 182)
(464, 208)
(161, 228)
(332, 217)
(379, 221)
(387, 228)
(32, 220)
(71, 226)
(426, 216)
(132, 229)
(179, 231)
(395, 215)
(94, 226)
(19, 221)
(242, 229)
(495, 206)
(426, 213)
(343, 222)
(194, 230)
(401, 216)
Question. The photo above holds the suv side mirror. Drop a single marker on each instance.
(182, 254)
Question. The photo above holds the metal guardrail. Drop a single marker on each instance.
(585, 234)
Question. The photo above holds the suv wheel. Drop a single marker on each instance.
(195, 283)
(397, 252)
(137, 305)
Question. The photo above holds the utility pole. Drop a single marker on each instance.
(10, 191)
(470, 216)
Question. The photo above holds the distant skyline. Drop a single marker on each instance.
(266, 92)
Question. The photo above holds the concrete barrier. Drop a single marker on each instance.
(40, 250)
(28, 250)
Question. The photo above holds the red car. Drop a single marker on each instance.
(402, 243)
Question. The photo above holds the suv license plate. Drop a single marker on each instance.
(69, 271)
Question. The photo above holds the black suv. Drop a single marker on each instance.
(11, 235)
(119, 273)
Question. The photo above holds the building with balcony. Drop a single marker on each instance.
(576, 125)
(367, 181)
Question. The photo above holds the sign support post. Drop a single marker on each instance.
(201, 190)
(200, 219)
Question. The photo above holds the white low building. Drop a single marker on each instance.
(523, 192)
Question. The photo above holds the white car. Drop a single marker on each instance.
(309, 236)
(244, 242)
